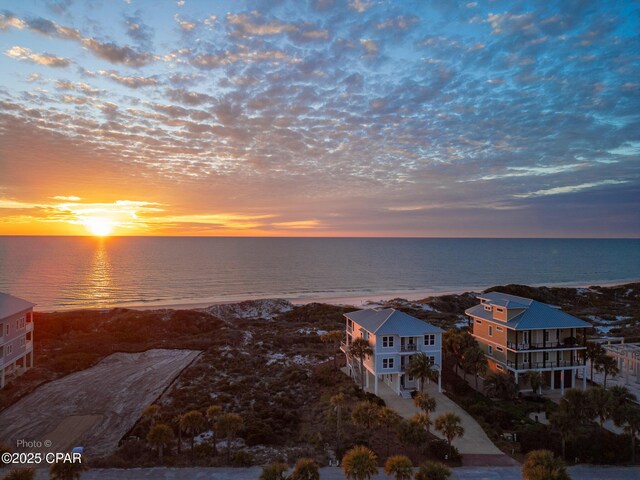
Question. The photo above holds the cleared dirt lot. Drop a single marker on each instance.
(94, 407)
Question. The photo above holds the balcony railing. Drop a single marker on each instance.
(547, 364)
(569, 342)
(409, 348)
(344, 347)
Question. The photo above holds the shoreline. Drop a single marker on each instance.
(355, 299)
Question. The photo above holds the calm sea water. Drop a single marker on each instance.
(73, 272)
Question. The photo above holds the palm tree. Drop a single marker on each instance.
(421, 367)
(360, 349)
(66, 471)
(593, 351)
(213, 413)
(366, 414)
(412, 434)
(333, 339)
(474, 361)
(20, 474)
(359, 463)
(425, 402)
(274, 471)
(433, 471)
(160, 437)
(576, 404)
(449, 424)
(600, 404)
(500, 385)
(564, 423)
(338, 401)
(630, 421)
(387, 418)
(229, 425)
(608, 366)
(151, 412)
(399, 466)
(423, 419)
(621, 398)
(542, 465)
(305, 469)
(192, 423)
(536, 380)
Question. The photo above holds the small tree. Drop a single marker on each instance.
(305, 469)
(387, 418)
(151, 412)
(333, 339)
(474, 361)
(359, 463)
(536, 380)
(213, 413)
(621, 399)
(366, 415)
(360, 349)
(600, 404)
(423, 419)
(449, 424)
(412, 434)
(607, 365)
(425, 402)
(542, 465)
(274, 471)
(399, 467)
(20, 474)
(422, 368)
(564, 423)
(160, 437)
(500, 385)
(433, 471)
(592, 353)
(630, 422)
(192, 423)
(229, 425)
(338, 402)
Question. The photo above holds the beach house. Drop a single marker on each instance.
(16, 337)
(395, 338)
(520, 335)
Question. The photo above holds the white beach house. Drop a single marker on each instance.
(16, 337)
(395, 338)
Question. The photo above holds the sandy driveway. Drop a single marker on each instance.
(94, 407)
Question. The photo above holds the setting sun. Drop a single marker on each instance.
(100, 227)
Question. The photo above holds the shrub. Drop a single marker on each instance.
(433, 471)
(274, 471)
(242, 458)
(440, 449)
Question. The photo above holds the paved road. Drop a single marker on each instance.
(332, 473)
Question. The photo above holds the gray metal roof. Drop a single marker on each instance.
(390, 321)
(10, 305)
(534, 315)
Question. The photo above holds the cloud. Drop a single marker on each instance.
(185, 25)
(371, 48)
(568, 189)
(254, 24)
(128, 81)
(46, 59)
(360, 6)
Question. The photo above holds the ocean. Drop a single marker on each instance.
(60, 273)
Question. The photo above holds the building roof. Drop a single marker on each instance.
(10, 305)
(534, 315)
(390, 321)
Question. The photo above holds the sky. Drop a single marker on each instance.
(320, 118)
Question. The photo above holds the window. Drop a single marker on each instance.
(499, 309)
(432, 360)
(387, 363)
(349, 325)
(490, 349)
(487, 308)
(500, 329)
(365, 334)
(546, 335)
(490, 331)
(479, 322)
(500, 349)
(546, 356)
(430, 339)
(387, 342)
(9, 349)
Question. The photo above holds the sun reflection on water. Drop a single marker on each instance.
(100, 279)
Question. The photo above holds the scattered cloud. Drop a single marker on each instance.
(46, 59)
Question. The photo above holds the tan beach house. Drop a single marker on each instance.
(395, 338)
(16, 337)
(519, 335)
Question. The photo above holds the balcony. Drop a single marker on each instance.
(344, 347)
(569, 342)
(409, 348)
(547, 364)
(29, 326)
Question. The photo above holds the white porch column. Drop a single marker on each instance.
(375, 384)
(517, 382)
(553, 380)
(439, 381)
(562, 382)
(573, 378)
(398, 383)
(584, 378)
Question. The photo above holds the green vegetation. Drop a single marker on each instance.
(433, 471)
(20, 474)
(359, 463)
(399, 467)
(543, 465)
